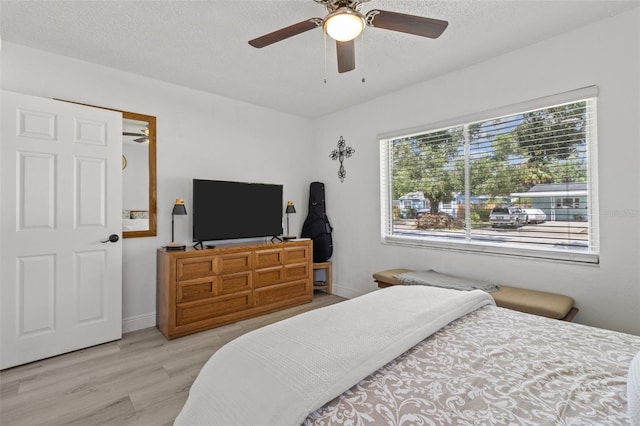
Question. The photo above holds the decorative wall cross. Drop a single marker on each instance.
(340, 154)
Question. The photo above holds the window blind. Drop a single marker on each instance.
(445, 186)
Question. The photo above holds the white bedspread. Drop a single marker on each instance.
(278, 374)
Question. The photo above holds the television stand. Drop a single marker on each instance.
(201, 289)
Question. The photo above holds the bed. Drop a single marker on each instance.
(416, 355)
(135, 220)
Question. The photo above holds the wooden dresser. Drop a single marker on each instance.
(202, 289)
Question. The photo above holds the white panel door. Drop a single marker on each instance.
(61, 192)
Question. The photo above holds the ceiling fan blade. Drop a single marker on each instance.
(346, 55)
(132, 134)
(142, 140)
(284, 33)
(410, 24)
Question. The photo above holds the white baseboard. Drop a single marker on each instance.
(346, 292)
(138, 322)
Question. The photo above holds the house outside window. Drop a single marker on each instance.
(568, 202)
(559, 202)
(537, 156)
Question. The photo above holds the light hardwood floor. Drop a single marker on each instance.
(142, 379)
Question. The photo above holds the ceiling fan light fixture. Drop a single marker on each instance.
(344, 24)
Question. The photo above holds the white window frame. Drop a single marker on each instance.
(468, 244)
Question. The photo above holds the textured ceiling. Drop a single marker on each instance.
(203, 44)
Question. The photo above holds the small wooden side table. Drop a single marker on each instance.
(326, 285)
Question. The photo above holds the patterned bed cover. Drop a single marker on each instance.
(496, 366)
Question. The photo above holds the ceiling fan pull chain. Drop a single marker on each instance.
(362, 55)
(324, 37)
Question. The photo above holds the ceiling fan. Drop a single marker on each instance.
(345, 22)
(142, 137)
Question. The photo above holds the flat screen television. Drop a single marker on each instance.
(224, 210)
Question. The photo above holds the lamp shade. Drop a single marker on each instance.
(290, 208)
(179, 208)
(344, 24)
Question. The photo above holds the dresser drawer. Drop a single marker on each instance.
(280, 292)
(295, 272)
(268, 276)
(200, 288)
(191, 312)
(266, 258)
(234, 262)
(195, 267)
(296, 254)
(232, 283)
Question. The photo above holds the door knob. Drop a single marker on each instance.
(112, 239)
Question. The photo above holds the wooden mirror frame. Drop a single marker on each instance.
(152, 230)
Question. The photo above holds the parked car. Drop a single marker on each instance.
(535, 215)
(507, 216)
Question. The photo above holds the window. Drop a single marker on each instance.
(518, 181)
(568, 202)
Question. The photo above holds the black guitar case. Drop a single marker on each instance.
(316, 226)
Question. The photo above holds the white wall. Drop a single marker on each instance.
(606, 54)
(198, 136)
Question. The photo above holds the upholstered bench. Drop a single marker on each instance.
(535, 302)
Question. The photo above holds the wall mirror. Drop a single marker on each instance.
(138, 175)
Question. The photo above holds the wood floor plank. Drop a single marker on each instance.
(187, 362)
(159, 414)
(114, 413)
(58, 362)
(9, 388)
(178, 387)
(142, 379)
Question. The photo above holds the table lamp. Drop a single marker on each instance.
(178, 209)
(290, 209)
